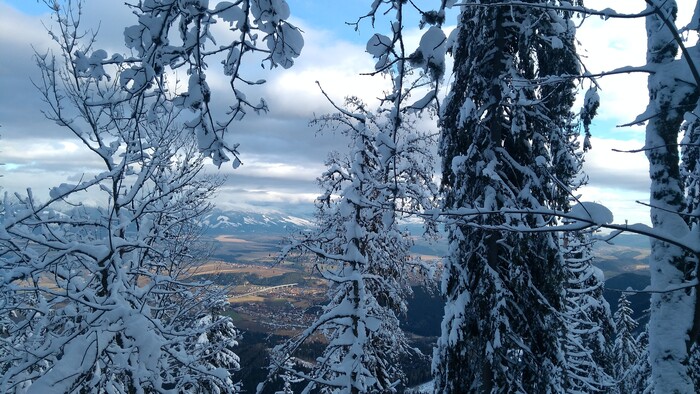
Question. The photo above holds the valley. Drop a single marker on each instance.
(270, 301)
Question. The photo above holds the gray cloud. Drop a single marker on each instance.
(282, 155)
(617, 170)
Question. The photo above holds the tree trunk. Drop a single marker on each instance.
(671, 314)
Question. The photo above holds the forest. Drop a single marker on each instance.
(102, 299)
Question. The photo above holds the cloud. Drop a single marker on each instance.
(336, 64)
(618, 179)
(17, 68)
(282, 155)
(610, 44)
(20, 35)
(620, 170)
(623, 203)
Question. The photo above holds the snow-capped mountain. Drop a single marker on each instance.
(219, 222)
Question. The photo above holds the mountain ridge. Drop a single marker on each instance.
(223, 222)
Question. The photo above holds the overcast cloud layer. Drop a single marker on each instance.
(281, 154)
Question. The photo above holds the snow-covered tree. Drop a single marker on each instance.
(673, 313)
(590, 329)
(363, 253)
(690, 166)
(360, 246)
(626, 350)
(288, 378)
(690, 173)
(695, 366)
(638, 379)
(96, 289)
(501, 137)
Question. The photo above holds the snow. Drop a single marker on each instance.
(285, 47)
(431, 51)
(230, 13)
(424, 101)
(591, 212)
(466, 111)
(379, 46)
(425, 388)
(298, 221)
(61, 190)
(91, 66)
(694, 23)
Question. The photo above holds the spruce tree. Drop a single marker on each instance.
(364, 254)
(501, 132)
(626, 348)
(639, 377)
(361, 248)
(590, 330)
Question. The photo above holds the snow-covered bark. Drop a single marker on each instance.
(502, 137)
(98, 298)
(590, 329)
(690, 173)
(672, 313)
(690, 166)
(695, 366)
(626, 348)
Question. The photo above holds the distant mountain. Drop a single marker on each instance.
(624, 260)
(424, 313)
(220, 222)
(626, 253)
(425, 309)
(254, 237)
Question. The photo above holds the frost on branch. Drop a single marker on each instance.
(591, 102)
(174, 35)
(395, 59)
(430, 54)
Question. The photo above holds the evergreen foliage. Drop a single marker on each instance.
(503, 145)
(590, 360)
(363, 253)
(627, 349)
(638, 379)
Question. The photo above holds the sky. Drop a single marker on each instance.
(281, 154)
